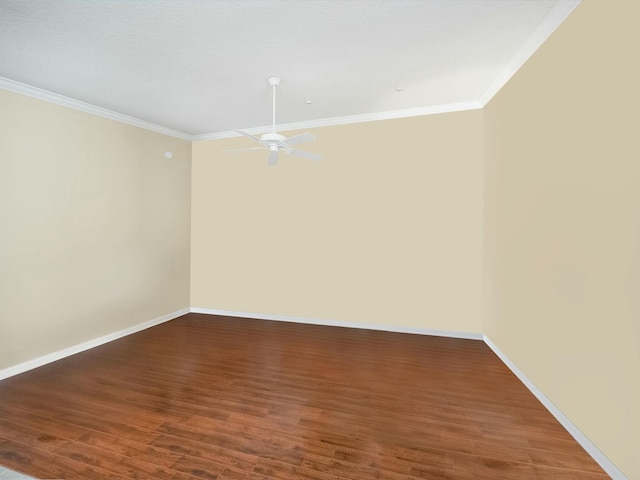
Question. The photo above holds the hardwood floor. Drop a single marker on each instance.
(228, 398)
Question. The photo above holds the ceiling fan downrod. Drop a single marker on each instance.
(274, 82)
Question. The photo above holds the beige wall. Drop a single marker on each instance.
(386, 229)
(562, 224)
(94, 227)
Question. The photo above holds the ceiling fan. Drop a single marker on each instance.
(274, 142)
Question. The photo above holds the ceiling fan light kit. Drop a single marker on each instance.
(274, 142)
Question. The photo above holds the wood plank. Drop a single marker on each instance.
(205, 397)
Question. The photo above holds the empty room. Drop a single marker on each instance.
(271, 240)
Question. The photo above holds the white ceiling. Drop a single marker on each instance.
(197, 68)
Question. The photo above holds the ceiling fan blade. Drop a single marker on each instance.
(273, 157)
(242, 149)
(247, 134)
(302, 153)
(305, 137)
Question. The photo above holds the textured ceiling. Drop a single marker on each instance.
(200, 67)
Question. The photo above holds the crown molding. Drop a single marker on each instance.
(548, 25)
(47, 96)
(366, 117)
(40, 94)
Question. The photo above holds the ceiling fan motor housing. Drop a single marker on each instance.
(273, 138)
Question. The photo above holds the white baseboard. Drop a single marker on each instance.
(591, 449)
(334, 323)
(52, 357)
(575, 432)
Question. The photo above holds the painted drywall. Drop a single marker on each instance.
(95, 227)
(562, 224)
(385, 230)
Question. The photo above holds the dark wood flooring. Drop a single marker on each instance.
(230, 399)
